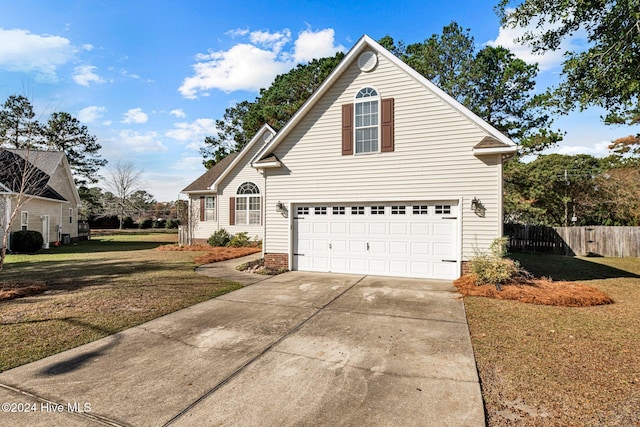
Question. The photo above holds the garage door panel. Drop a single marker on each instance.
(420, 248)
(379, 247)
(357, 228)
(398, 229)
(339, 228)
(399, 239)
(378, 229)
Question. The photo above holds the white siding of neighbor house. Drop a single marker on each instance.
(58, 216)
(433, 159)
(228, 187)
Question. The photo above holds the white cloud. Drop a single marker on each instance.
(178, 113)
(135, 115)
(548, 60)
(315, 44)
(598, 149)
(22, 51)
(194, 132)
(253, 65)
(140, 142)
(91, 114)
(85, 75)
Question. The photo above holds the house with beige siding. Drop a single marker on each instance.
(380, 172)
(230, 195)
(39, 187)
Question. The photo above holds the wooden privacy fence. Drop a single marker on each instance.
(594, 241)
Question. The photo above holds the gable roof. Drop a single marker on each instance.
(209, 181)
(366, 42)
(206, 180)
(15, 164)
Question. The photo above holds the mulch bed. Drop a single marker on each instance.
(537, 291)
(19, 290)
(213, 254)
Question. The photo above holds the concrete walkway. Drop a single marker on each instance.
(293, 349)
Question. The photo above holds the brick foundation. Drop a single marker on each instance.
(466, 267)
(199, 241)
(276, 260)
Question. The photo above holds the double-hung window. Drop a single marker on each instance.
(367, 120)
(247, 204)
(209, 208)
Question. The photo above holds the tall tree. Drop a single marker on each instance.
(18, 126)
(274, 106)
(65, 133)
(492, 83)
(62, 132)
(552, 189)
(606, 73)
(445, 59)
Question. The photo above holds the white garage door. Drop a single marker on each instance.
(388, 239)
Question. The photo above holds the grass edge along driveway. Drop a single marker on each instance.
(559, 366)
(95, 289)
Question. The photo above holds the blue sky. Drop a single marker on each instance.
(149, 78)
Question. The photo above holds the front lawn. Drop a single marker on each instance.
(557, 366)
(95, 289)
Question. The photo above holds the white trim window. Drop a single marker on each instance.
(367, 120)
(24, 220)
(209, 208)
(248, 204)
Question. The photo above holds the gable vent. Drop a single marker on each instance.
(367, 61)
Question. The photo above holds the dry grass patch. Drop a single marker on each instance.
(95, 289)
(544, 365)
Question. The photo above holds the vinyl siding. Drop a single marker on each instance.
(229, 187)
(433, 158)
(58, 216)
(243, 172)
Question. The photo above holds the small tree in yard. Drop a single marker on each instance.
(124, 181)
(22, 181)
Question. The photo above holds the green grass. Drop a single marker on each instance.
(548, 366)
(96, 288)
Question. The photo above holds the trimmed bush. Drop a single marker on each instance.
(219, 238)
(26, 241)
(240, 240)
(492, 268)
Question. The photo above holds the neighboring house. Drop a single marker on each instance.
(230, 195)
(45, 179)
(380, 172)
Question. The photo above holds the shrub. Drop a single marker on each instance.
(240, 240)
(26, 241)
(493, 268)
(219, 238)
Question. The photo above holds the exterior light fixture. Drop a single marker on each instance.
(474, 204)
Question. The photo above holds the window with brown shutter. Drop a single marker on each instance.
(201, 208)
(387, 143)
(347, 129)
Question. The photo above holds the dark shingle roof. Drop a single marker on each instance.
(13, 167)
(206, 180)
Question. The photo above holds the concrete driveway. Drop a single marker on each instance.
(294, 349)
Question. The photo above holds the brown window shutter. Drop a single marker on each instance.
(232, 211)
(387, 144)
(201, 208)
(347, 129)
